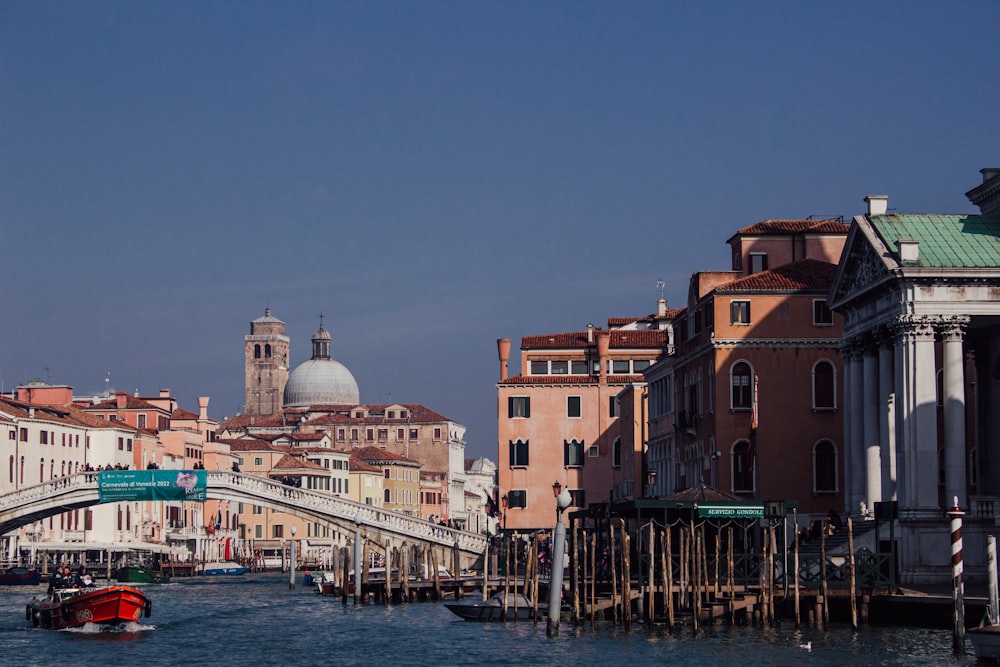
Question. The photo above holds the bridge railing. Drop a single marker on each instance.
(350, 511)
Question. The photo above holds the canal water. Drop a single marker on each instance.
(256, 621)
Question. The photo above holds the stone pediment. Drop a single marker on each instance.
(861, 267)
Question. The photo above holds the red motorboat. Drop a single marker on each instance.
(75, 607)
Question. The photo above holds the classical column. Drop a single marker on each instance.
(871, 444)
(887, 417)
(855, 462)
(952, 332)
(916, 417)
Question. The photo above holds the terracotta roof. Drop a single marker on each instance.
(779, 227)
(804, 275)
(182, 414)
(615, 322)
(357, 465)
(248, 445)
(131, 403)
(620, 339)
(376, 455)
(570, 379)
(287, 462)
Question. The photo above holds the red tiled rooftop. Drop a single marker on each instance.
(620, 339)
(569, 379)
(794, 227)
(807, 274)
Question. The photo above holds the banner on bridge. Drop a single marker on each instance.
(126, 485)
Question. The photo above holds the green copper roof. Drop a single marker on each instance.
(945, 240)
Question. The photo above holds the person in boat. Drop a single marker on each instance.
(833, 522)
(83, 577)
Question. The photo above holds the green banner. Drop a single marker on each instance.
(730, 510)
(119, 485)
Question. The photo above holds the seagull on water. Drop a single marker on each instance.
(807, 646)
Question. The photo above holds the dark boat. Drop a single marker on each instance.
(141, 575)
(518, 608)
(19, 576)
(75, 607)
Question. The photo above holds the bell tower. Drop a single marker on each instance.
(265, 360)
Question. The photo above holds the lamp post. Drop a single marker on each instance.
(291, 561)
(563, 499)
(504, 500)
(357, 556)
(651, 483)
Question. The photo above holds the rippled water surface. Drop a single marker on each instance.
(256, 620)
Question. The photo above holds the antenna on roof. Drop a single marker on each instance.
(660, 284)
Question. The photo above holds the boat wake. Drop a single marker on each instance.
(102, 629)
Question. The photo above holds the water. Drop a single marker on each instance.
(255, 620)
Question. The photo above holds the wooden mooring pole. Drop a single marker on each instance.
(955, 515)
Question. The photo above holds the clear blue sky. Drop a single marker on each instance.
(433, 176)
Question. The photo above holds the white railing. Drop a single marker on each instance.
(249, 488)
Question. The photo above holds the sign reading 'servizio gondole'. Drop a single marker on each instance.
(116, 485)
(731, 511)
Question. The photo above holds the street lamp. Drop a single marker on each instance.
(291, 561)
(651, 482)
(504, 500)
(563, 500)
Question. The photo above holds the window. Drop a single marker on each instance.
(742, 389)
(43, 438)
(539, 367)
(579, 368)
(141, 421)
(614, 407)
(341, 434)
(639, 365)
(577, 498)
(822, 315)
(518, 453)
(387, 473)
(437, 432)
(277, 531)
(739, 312)
(354, 435)
(593, 451)
(573, 410)
(825, 467)
(400, 434)
(121, 444)
(387, 495)
(414, 433)
(616, 453)
(758, 262)
(824, 386)
(258, 509)
(267, 351)
(560, 368)
(383, 434)
(518, 406)
(24, 435)
(256, 351)
(572, 453)
(517, 498)
(369, 434)
(742, 467)
(258, 461)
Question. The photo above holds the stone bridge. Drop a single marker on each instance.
(56, 496)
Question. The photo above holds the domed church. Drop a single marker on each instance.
(321, 380)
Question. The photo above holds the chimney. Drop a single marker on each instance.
(603, 344)
(503, 349)
(165, 393)
(590, 333)
(203, 408)
(121, 399)
(909, 251)
(877, 204)
(661, 308)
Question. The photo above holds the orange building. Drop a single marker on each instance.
(756, 346)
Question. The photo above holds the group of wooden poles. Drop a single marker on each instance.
(688, 583)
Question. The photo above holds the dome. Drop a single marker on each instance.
(321, 382)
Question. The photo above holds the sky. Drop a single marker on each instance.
(432, 176)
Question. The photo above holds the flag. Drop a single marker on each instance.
(491, 508)
(752, 448)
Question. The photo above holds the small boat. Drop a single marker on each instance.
(141, 575)
(19, 576)
(518, 608)
(985, 642)
(219, 568)
(75, 607)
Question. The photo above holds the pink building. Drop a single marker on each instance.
(559, 415)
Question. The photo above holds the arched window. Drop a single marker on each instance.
(387, 495)
(742, 457)
(256, 351)
(825, 467)
(267, 351)
(742, 388)
(616, 453)
(11, 468)
(824, 386)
